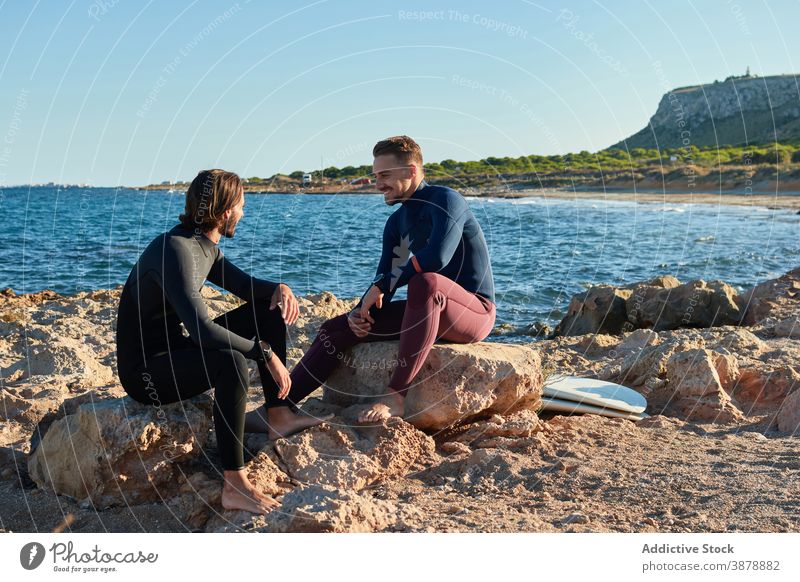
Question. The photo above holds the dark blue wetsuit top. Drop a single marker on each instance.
(438, 227)
(163, 291)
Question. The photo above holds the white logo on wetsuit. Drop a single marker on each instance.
(402, 254)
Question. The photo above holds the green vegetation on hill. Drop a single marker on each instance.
(581, 168)
(729, 167)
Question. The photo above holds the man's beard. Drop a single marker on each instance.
(229, 229)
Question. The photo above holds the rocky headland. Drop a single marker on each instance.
(718, 453)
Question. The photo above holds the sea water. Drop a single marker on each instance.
(543, 250)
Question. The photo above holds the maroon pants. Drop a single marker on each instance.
(437, 308)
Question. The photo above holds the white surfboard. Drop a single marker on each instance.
(595, 393)
(570, 407)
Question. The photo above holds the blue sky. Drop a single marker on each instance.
(131, 93)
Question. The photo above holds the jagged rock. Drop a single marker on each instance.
(661, 304)
(12, 407)
(352, 458)
(766, 384)
(789, 327)
(596, 344)
(456, 382)
(691, 373)
(67, 407)
(199, 497)
(199, 501)
(68, 358)
(638, 339)
(788, 419)
(696, 387)
(727, 368)
(639, 367)
(773, 298)
(265, 474)
(455, 448)
(741, 341)
(664, 281)
(693, 304)
(493, 431)
(600, 309)
(535, 329)
(120, 452)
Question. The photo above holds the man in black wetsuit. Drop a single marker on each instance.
(158, 365)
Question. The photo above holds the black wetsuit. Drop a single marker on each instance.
(159, 365)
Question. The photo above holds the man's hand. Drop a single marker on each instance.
(360, 327)
(373, 297)
(281, 376)
(284, 299)
(360, 320)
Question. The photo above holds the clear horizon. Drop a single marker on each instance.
(114, 93)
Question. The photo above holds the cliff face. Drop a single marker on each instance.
(747, 110)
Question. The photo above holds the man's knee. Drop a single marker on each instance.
(422, 287)
(333, 326)
(234, 367)
(273, 318)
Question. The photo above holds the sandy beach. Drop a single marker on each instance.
(784, 200)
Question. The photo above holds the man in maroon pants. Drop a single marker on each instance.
(433, 244)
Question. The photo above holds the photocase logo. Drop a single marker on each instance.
(31, 555)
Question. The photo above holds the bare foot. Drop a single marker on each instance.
(279, 421)
(387, 406)
(239, 493)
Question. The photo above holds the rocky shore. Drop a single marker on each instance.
(720, 371)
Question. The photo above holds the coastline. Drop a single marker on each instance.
(787, 199)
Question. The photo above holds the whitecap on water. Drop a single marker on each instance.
(707, 238)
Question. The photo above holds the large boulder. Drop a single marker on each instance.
(119, 452)
(456, 383)
(352, 457)
(660, 304)
(600, 309)
(693, 304)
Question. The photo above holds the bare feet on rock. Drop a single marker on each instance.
(392, 404)
(279, 421)
(239, 494)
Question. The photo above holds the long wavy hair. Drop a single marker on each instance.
(209, 195)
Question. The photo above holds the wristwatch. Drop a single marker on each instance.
(266, 351)
(380, 282)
